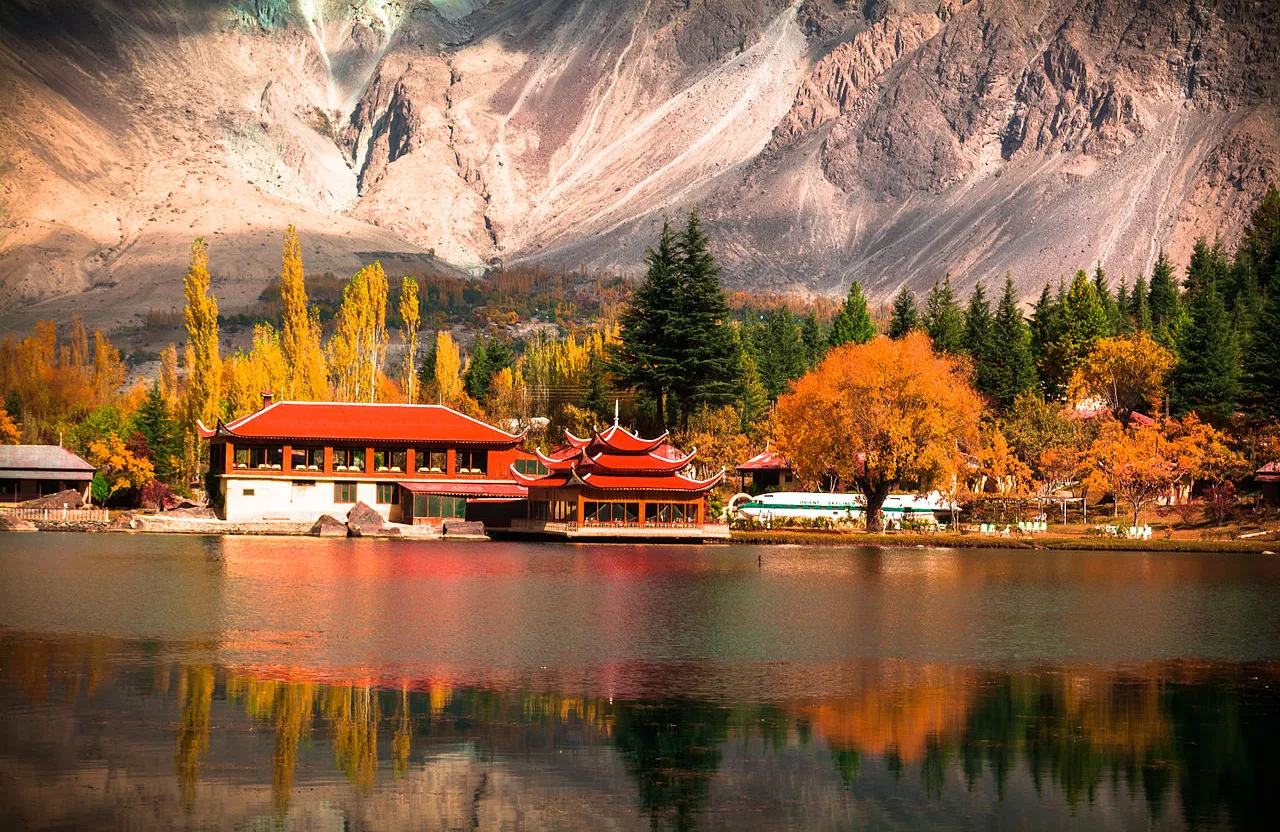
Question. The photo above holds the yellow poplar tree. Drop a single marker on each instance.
(246, 376)
(108, 369)
(300, 333)
(410, 322)
(204, 365)
(359, 340)
(448, 370)
(169, 374)
(79, 344)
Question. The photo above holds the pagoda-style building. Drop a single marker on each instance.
(615, 484)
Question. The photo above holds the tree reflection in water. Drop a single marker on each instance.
(1204, 734)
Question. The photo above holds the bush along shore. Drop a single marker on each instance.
(804, 537)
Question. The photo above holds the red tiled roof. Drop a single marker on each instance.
(767, 461)
(1086, 413)
(1268, 473)
(351, 421)
(468, 488)
(609, 482)
(616, 438)
(616, 460)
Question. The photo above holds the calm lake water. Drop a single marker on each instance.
(151, 682)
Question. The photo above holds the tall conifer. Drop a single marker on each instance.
(1163, 302)
(905, 315)
(709, 366)
(853, 324)
(1207, 378)
(647, 354)
(1139, 307)
(1010, 370)
(943, 319)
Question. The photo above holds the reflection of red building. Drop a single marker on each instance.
(616, 484)
(414, 463)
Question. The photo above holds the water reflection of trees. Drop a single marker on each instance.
(1205, 735)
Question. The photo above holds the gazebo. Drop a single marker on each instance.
(616, 484)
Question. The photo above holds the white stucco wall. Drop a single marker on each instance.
(280, 499)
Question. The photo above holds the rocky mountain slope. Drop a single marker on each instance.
(891, 140)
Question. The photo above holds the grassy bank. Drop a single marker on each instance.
(974, 541)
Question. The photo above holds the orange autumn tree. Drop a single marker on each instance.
(881, 415)
(1127, 374)
(1135, 465)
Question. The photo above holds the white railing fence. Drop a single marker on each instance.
(66, 515)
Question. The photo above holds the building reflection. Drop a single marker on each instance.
(1203, 737)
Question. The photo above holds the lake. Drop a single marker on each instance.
(253, 682)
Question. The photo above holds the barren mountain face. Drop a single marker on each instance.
(891, 141)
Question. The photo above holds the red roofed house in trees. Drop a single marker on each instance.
(415, 463)
(616, 484)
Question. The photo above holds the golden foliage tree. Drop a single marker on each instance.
(1128, 374)
(359, 341)
(121, 467)
(716, 434)
(996, 464)
(169, 374)
(246, 376)
(508, 396)
(204, 363)
(1134, 465)
(79, 346)
(108, 369)
(448, 370)
(300, 331)
(410, 322)
(10, 434)
(881, 415)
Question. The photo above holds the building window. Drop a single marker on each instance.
(472, 462)
(673, 514)
(266, 459)
(241, 458)
(344, 492)
(386, 493)
(348, 459)
(248, 492)
(306, 459)
(531, 467)
(390, 461)
(430, 461)
(614, 514)
(440, 506)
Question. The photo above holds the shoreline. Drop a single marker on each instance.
(792, 537)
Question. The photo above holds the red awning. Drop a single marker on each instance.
(468, 488)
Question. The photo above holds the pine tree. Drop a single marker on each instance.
(1103, 290)
(1163, 303)
(410, 322)
(709, 366)
(1010, 368)
(647, 355)
(1262, 380)
(1084, 321)
(783, 357)
(977, 323)
(905, 315)
(853, 324)
(1045, 320)
(300, 331)
(943, 319)
(1260, 243)
(1139, 308)
(1124, 324)
(1207, 378)
(753, 402)
(487, 360)
(815, 346)
(157, 426)
(204, 364)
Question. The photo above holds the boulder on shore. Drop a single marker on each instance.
(70, 498)
(363, 520)
(328, 526)
(16, 524)
(466, 529)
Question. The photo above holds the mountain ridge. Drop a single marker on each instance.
(821, 140)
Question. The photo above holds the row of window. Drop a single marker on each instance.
(353, 460)
(438, 505)
(554, 510)
(345, 492)
(677, 514)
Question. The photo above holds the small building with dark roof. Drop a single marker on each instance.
(769, 471)
(31, 471)
(1267, 479)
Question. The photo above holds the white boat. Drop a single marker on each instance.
(835, 507)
